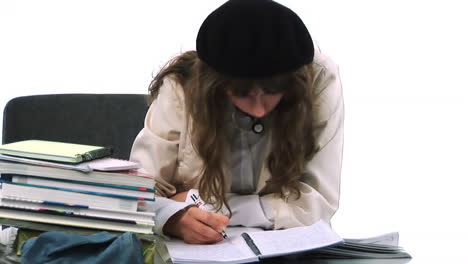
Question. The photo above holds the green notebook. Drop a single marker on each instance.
(55, 151)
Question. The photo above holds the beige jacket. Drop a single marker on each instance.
(164, 149)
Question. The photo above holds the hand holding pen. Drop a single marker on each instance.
(195, 225)
(200, 204)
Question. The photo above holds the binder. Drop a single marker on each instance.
(55, 151)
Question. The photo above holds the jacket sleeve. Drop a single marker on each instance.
(156, 146)
(156, 149)
(320, 182)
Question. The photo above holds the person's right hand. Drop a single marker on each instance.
(196, 226)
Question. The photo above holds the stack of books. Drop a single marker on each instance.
(74, 185)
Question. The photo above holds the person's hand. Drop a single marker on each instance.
(196, 226)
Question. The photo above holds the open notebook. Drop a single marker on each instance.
(245, 245)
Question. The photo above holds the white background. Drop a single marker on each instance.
(403, 67)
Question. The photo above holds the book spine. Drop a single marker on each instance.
(79, 167)
(71, 214)
(123, 187)
(83, 191)
(74, 198)
(85, 188)
(145, 218)
(115, 178)
(71, 221)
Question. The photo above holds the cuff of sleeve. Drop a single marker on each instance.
(191, 192)
(247, 211)
(199, 202)
(163, 209)
(267, 209)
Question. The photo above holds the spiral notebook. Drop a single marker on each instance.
(55, 151)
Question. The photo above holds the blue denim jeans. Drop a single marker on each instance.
(60, 247)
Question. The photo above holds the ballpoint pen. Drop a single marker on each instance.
(200, 204)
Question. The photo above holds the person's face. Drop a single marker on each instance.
(257, 103)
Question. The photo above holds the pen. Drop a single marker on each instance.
(200, 204)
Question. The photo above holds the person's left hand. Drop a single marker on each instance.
(179, 197)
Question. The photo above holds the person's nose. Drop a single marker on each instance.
(259, 108)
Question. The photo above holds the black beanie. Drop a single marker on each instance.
(254, 39)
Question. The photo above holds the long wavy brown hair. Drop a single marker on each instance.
(205, 98)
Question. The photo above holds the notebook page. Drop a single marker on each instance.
(231, 250)
(111, 164)
(294, 240)
(389, 239)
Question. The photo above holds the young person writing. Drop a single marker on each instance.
(252, 122)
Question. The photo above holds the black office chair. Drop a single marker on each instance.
(93, 119)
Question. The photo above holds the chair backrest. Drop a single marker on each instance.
(93, 119)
